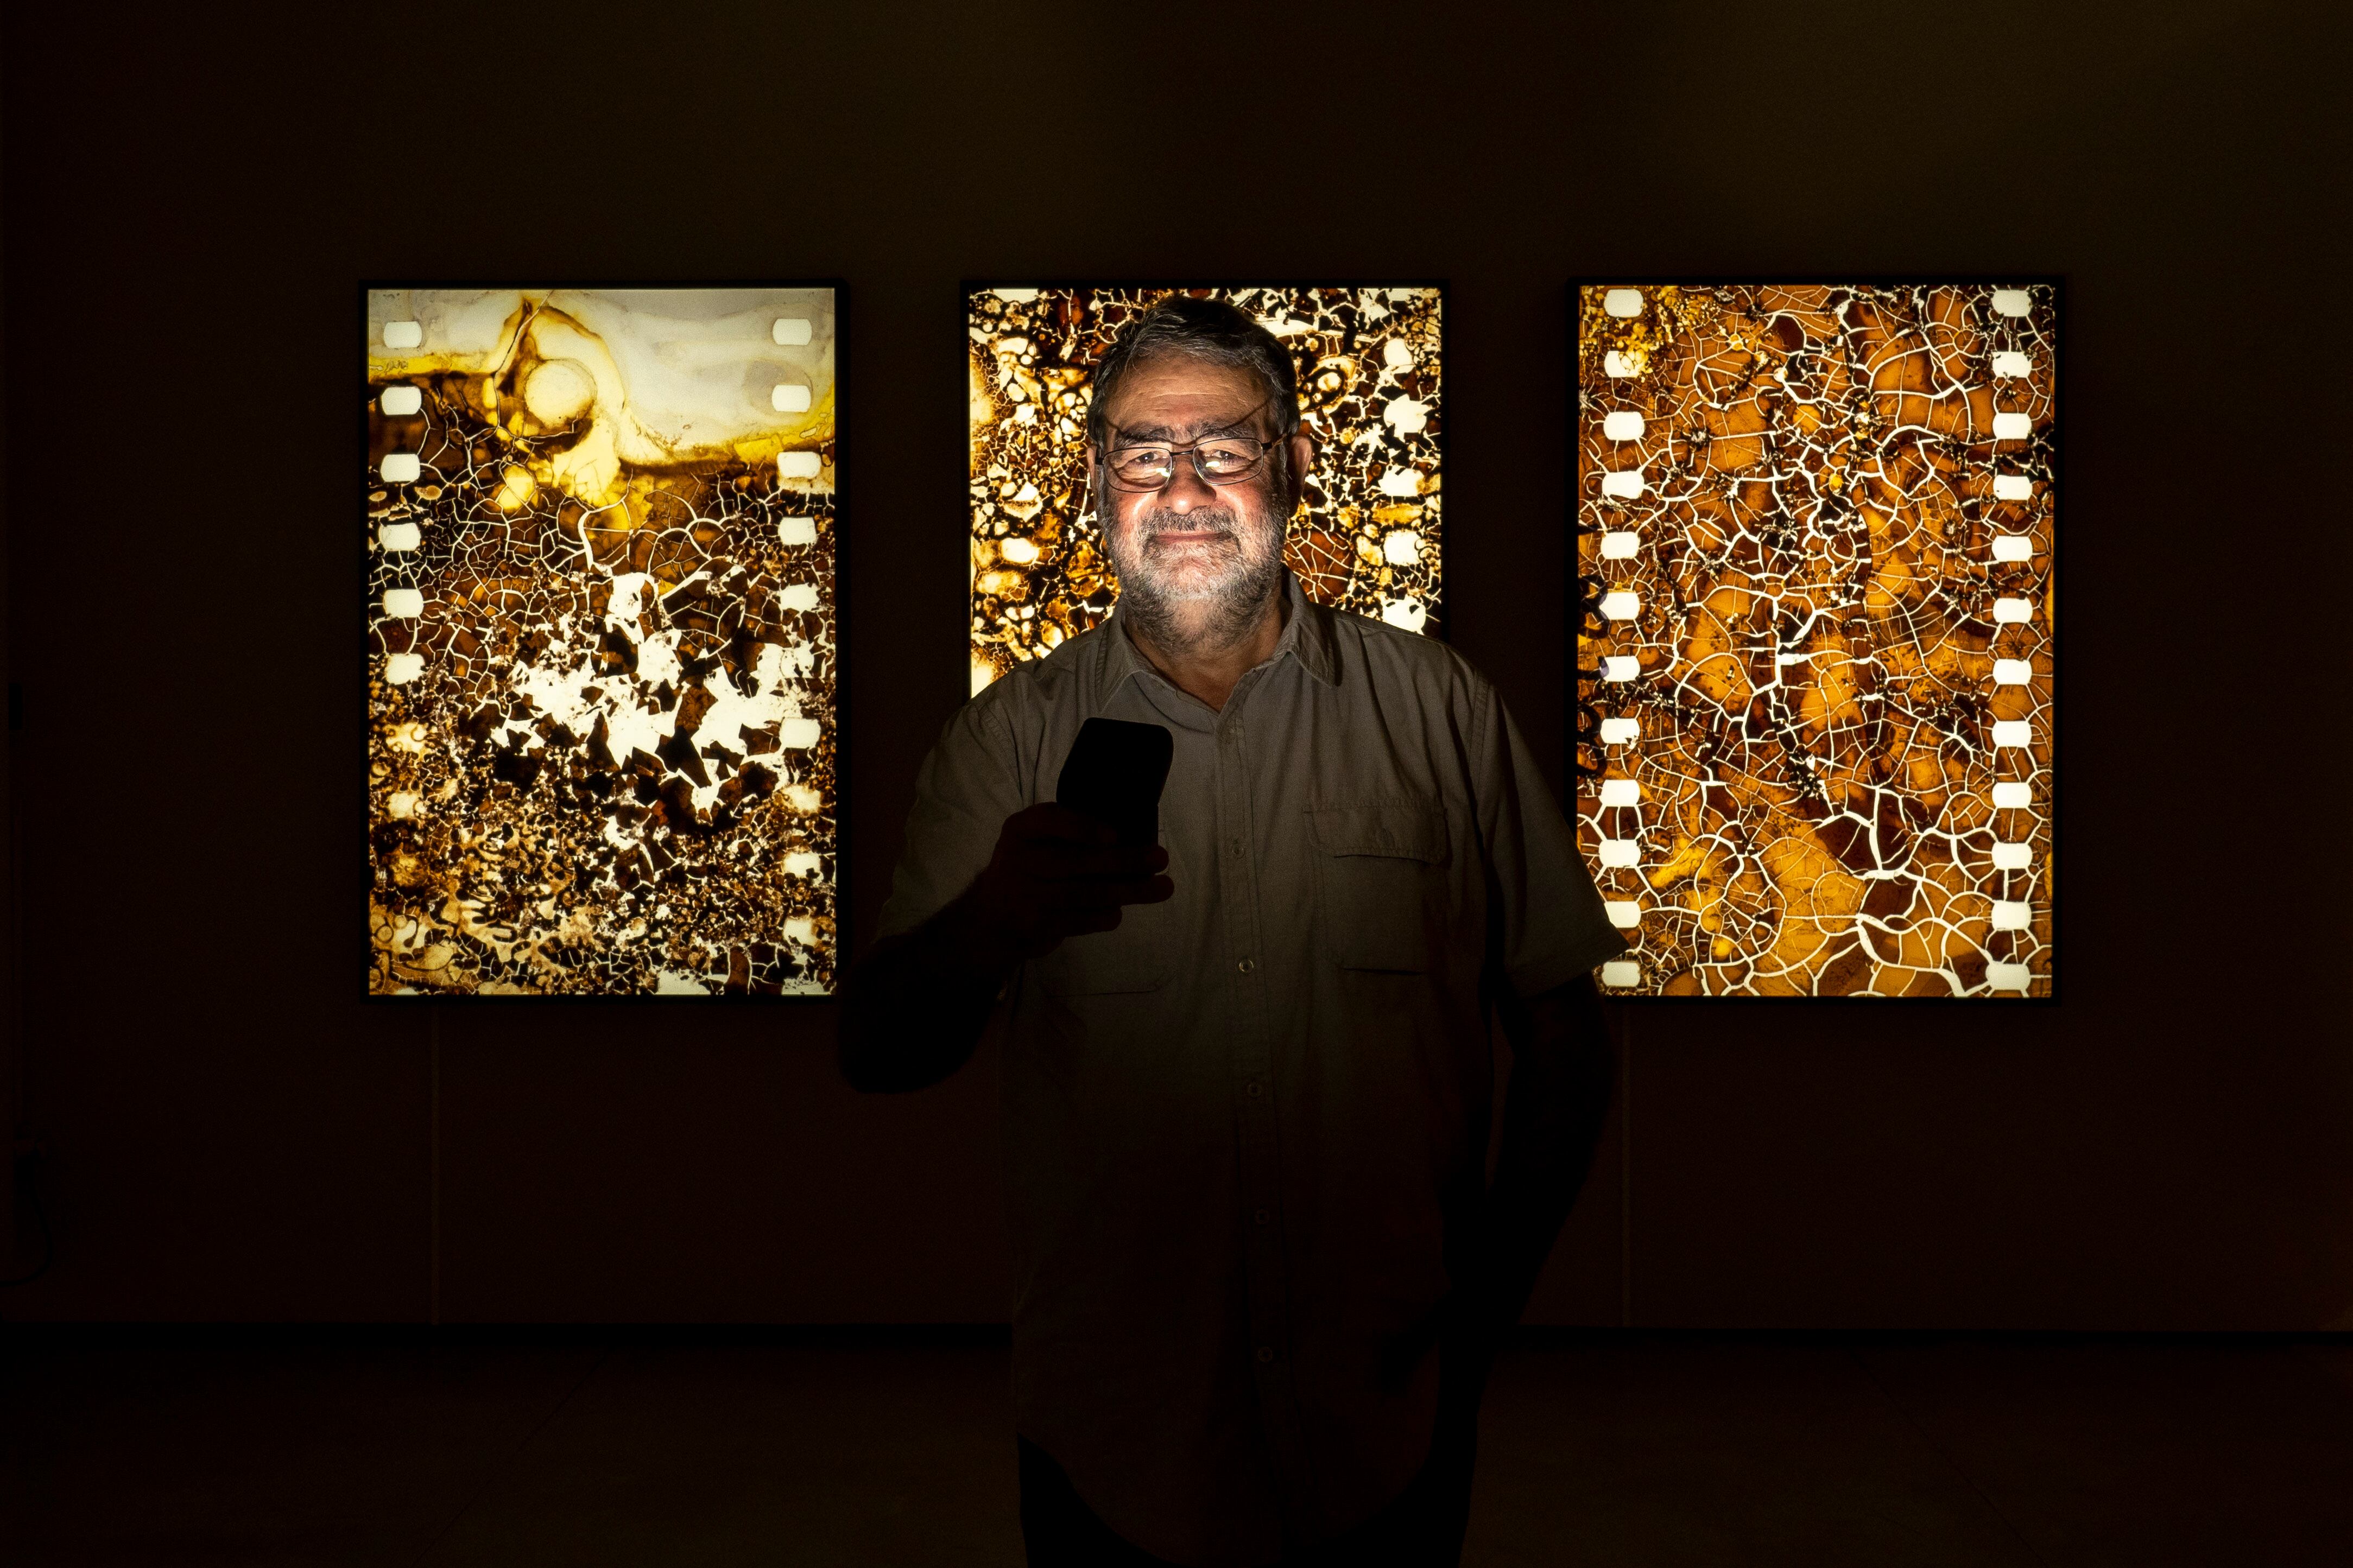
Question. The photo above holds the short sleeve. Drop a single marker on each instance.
(1548, 917)
(968, 785)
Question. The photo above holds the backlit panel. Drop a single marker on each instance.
(1816, 526)
(600, 528)
(1367, 537)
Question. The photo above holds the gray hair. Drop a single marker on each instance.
(1184, 327)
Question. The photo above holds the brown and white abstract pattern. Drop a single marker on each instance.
(1366, 539)
(600, 641)
(1820, 521)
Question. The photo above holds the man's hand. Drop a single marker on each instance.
(1057, 874)
(915, 1004)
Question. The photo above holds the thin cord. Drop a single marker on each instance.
(1625, 1167)
(41, 1214)
(433, 1011)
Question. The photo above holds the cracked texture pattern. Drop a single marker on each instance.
(1818, 520)
(1367, 538)
(600, 641)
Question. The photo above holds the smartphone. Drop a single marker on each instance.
(1114, 775)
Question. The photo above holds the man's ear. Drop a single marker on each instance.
(1302, 452)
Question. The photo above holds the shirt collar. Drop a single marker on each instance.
(1306, 636)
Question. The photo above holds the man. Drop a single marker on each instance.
(1248, 1077)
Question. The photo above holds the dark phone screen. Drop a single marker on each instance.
(1114, 775)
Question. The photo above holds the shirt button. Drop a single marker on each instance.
(1245, 967)
(1253, 1089)
(1265, 1354)
(1261, 1217)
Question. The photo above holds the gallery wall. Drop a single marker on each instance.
(231, 1132)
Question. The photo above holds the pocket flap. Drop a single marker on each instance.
(1400, 829)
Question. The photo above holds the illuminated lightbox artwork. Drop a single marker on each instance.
(601, 657)
(1366, 538)
(1815, 530)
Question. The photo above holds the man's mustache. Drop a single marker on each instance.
(1217, 519)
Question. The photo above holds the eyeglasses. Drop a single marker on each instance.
(1216, 460)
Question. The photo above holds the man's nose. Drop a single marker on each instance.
(1185, 488)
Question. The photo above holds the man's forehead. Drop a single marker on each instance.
(1177, 399)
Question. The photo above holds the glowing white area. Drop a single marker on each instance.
(2013, 672)
(400, 402)
(1621, 972)
(672, 982)
(790, 332)
(1621, 667)
(1621, 605)
(2012, 732)
(1620, 791)
(1622, 302)
(804, 863)
(2013, 794)
(1406, 415)
(400, 669)
(1619, 853)
(2013, 547)
(2010, 363)
(398, 536)
(2012, 487)
(401, 802)
(2012, 914)
(1618, 364)
(660, 375)
(404, 603)
(797, 596)
(1626, 484)
(797, 531)
(2012, 302)
(2012, 857)
(801, 930)
(798, 464)
(1406, 615)
(1624, 913)
(403, 335)
(1619, 544)
(400, 469)
(2009, 976)
(2012, 612)
(789, 397)
(1402, 547)
(1620, 731)
(1624, 424)
(798, 734)
(1398, 354)
(2012, 427)
(1402, 483)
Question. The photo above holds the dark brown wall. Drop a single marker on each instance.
(193, 195)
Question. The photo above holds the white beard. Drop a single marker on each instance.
(1199, 598)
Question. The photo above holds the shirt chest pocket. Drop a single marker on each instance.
(1381, 884)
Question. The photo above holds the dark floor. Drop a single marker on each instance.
(848, 1450)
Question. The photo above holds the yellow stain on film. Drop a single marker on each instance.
(601, 642)
(1826, 514)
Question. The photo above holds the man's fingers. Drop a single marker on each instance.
(1049, 822)
(1056, 862)
(1083, 922)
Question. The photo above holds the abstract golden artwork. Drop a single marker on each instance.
(601, 651)
(1815, 530)
(1367, 537)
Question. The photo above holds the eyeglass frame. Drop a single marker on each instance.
(1191, 450)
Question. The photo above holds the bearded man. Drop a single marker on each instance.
(1260, 1270)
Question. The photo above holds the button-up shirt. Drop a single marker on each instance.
(1241, 1129)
